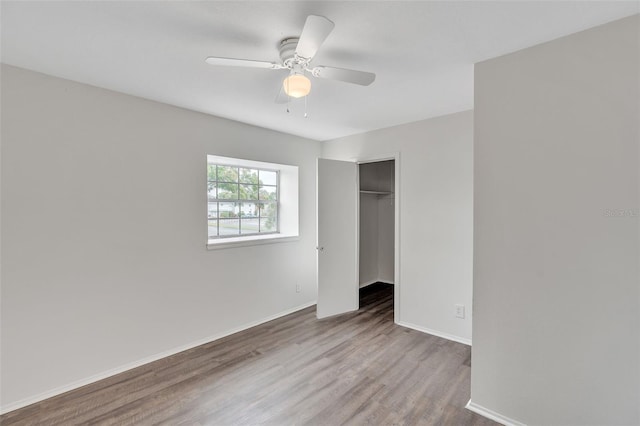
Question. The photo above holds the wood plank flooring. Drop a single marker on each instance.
(357, 368)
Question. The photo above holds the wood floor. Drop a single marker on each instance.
(357, 368)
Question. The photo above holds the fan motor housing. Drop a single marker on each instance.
(288, 50)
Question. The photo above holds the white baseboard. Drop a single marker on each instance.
(112, 372)
(447, 336)
(368, 283)
(497, 417)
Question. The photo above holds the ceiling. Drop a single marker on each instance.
(422, 52)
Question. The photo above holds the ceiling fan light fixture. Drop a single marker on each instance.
(296, 56)
(296, 85)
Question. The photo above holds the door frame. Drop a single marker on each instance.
(395, 156)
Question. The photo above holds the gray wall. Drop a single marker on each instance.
(104, 228)
(556, 325)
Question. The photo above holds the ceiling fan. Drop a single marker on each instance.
(296, 54)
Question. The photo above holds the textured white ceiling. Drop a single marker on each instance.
(422, 52)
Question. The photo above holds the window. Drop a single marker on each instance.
(241, 201)
(250, 200)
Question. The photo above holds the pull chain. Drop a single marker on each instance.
(306, 114)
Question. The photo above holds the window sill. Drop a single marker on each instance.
(250, 241)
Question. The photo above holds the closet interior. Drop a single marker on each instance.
(377, 222)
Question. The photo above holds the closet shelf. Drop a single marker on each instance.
(376, 192)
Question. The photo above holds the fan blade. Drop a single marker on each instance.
(315, 31)
(350, 76)
(232, 62)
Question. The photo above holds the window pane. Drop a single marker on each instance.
(229, 227)
(227, 174)
(211, 172)
(268, 193)
(211, 191)
(268, 210)
(213, 228)
(268, 178)
(228, 210)
(248, 210)
(249, 226)
(248, 192)
(212, 210)
(241, 200)
(227, 191)
(268, 224)
(249, 176)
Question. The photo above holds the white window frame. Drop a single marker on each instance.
(287, 204)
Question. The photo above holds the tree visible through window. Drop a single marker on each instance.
(241, 201)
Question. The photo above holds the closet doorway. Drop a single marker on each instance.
(377, 229)
(343, 203)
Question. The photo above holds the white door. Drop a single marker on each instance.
(337, 237)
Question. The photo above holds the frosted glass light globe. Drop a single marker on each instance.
(296, 85)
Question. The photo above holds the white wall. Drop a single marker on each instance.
(104, 230)
(368, 247)
(556, 330)
(386, 238)
(436, 190)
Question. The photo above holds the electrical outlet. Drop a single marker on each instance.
(298, 288)
(460, 311)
